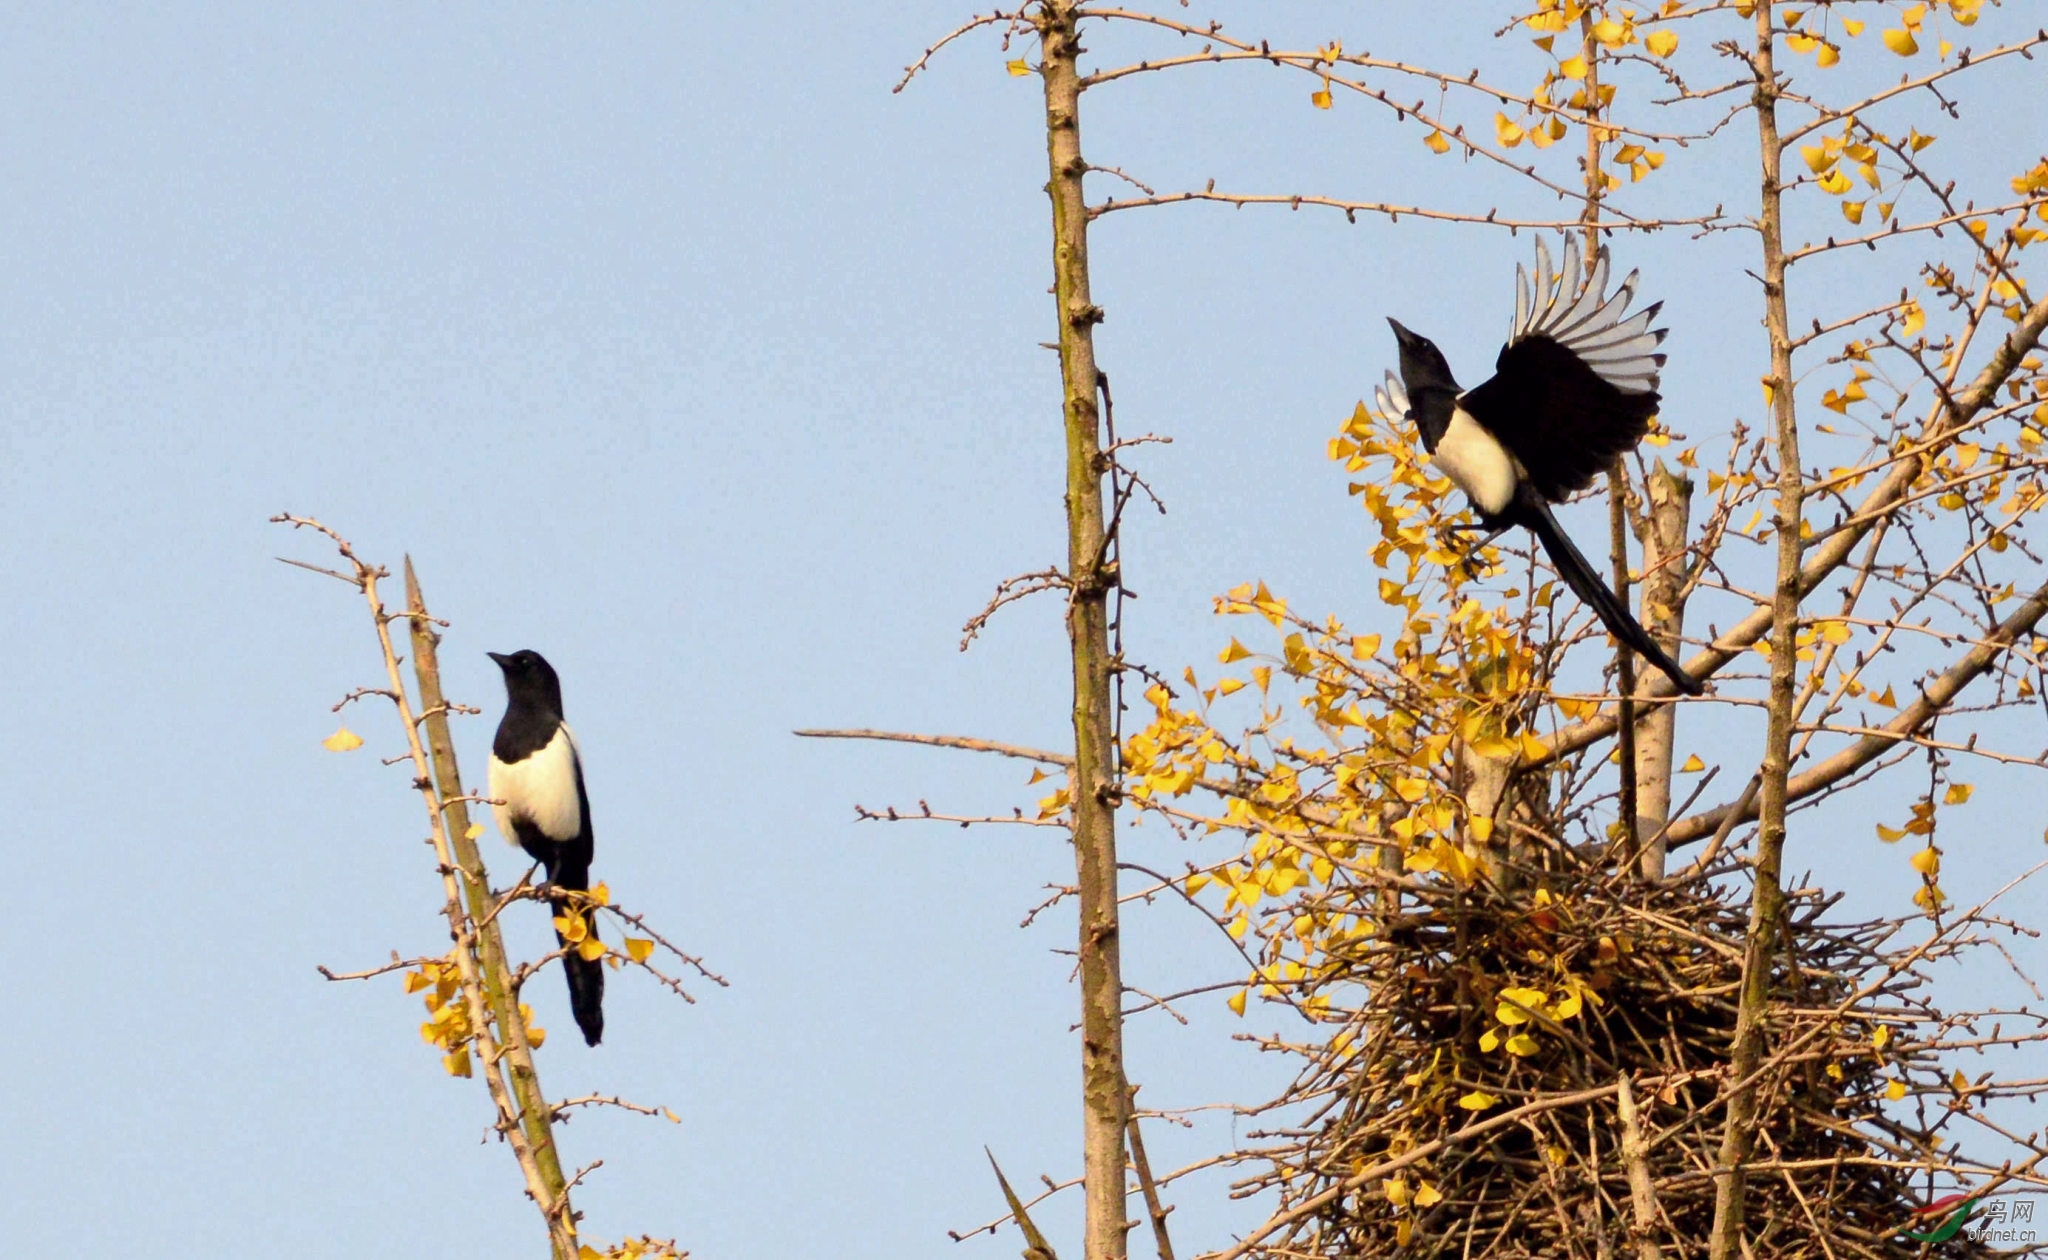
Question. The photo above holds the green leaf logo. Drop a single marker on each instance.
(1950, 1224)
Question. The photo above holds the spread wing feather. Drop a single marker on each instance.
(1576, 384)
(1570, 306)
(1390, 398)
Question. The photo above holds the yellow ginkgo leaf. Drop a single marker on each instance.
(343, 740)
(1507, 131)
(1693, 765)
(1901, 42)
(1397, 1191)
(1437, 142)
(1320, 98)
(1895, 1091)
(1522, 1045)
(1234, 653)
(474, 831)
(1927, 861)
(590, 949)
(1853, 211)
(1835, 182)
(1661, 43)
(1882, 1037)
(1515, 1005)
(1018, 67)
(457, 1063)
(1477, 1100)
(1236, 1002)
(1957, 794)
(638, 948)
(1427, 1195)
(1572, 67)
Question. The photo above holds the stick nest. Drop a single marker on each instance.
(1463, 1005)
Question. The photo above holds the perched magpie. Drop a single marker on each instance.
(538, 774)
(1575, 386)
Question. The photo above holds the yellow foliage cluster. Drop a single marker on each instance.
(448, 1027)
(632, 1249)
(1392, 713)
(1564, 92)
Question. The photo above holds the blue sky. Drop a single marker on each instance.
(672, 344)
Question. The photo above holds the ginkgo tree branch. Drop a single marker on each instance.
(947, 741)
(1095, 778)
(1313, 59)
(1727, 1238)
(1831, 552)
(1323, 64)
(1825, 115)
(1933, 701)
(519, 1125)
(533, 1113)
(1395, 212)
(911, 71)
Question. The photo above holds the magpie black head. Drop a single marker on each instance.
(1422, 365)
(530, 681)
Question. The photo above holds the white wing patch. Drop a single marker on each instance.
(540, 790)
(1391, 397)
(1570, 307)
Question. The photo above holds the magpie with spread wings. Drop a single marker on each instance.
(1574, 387)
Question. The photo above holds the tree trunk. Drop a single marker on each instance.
(1766, 908)
(1095, 786)
(1663, 530)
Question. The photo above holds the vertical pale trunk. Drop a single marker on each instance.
(1663, 531)
(552, 1199)
(1102, 1067)
(534, 1117)
(1766, 908)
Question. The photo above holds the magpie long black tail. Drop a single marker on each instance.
(1586, 584)
(586, 976)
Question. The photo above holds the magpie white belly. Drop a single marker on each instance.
(1476, 463)
(540, 789)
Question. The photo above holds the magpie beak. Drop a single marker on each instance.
(537, 772)
(1574, 387)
